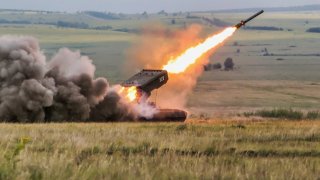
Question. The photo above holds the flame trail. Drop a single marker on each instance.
(190, 56)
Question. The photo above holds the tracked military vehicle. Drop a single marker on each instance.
(148, 80)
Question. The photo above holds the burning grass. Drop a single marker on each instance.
(224, 149)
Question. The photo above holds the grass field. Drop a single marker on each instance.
(217, 149)
(215, 142)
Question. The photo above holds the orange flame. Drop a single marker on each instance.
(130, 93)
(190, 56)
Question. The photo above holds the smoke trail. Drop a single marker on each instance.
(64, 89)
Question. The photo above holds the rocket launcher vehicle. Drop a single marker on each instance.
(148, 80)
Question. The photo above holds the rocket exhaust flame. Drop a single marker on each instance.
(132, 94)
(129, 93)
(190, 56)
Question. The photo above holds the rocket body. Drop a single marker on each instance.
(242, 23)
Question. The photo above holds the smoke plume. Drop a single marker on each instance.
(65, 89)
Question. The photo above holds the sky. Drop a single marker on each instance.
(138, 6)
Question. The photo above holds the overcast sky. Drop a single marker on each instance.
(134, 6)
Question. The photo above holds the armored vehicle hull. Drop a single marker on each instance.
(168, 115)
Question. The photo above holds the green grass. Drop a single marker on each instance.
(289, 114)
(219, 150)
(313, 115)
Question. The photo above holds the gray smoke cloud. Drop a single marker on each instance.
(65, 89)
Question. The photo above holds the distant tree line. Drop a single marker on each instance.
(79, 25)
(102, 27)
(314, 30)
(189, 16)
(263, 28)
(102, 15)
(136, 31)
(19, 11)
(72, 25)
(65, 24)
(3, 21)
(62, 24)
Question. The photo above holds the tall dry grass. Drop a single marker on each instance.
(236, 150)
